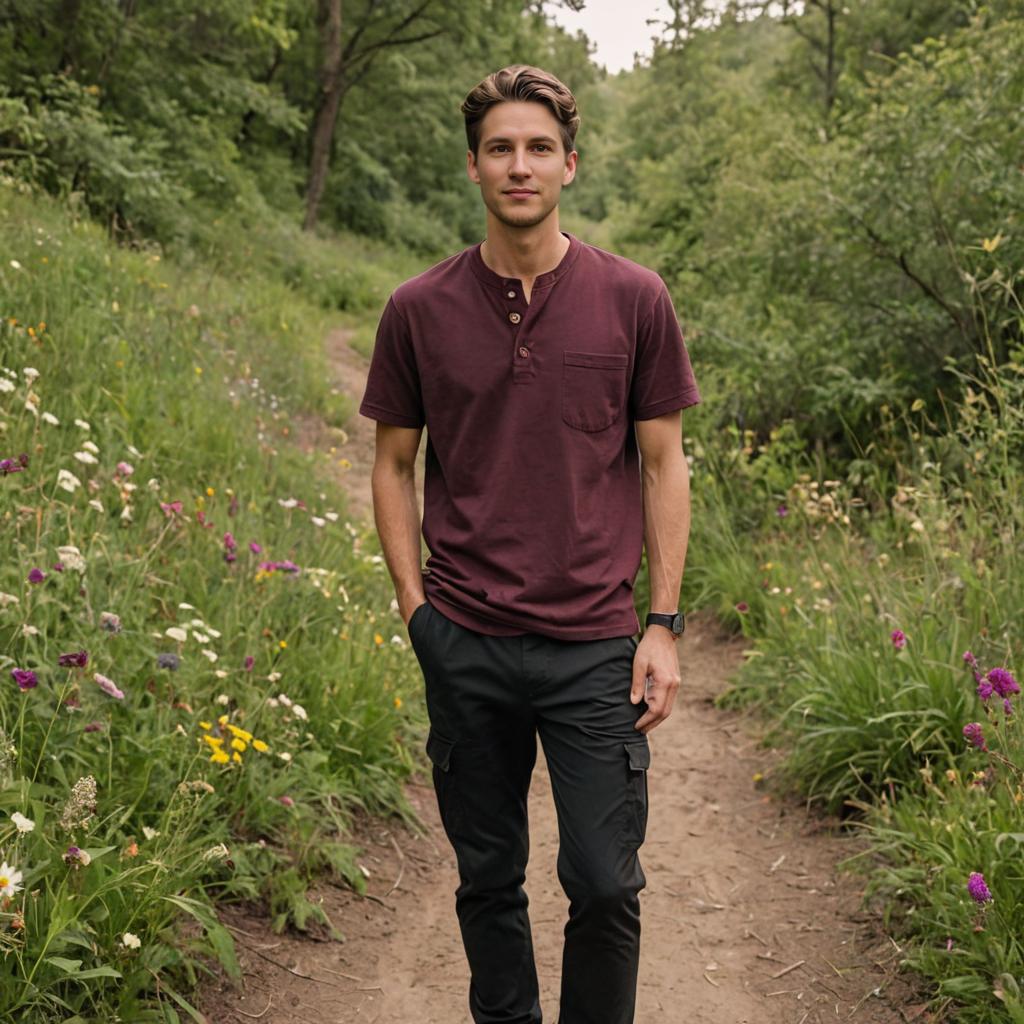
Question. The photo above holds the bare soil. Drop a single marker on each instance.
(746, 919)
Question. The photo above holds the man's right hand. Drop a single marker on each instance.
(412, 606)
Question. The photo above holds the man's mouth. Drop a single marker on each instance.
(520, 193)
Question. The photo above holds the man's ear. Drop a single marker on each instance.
(471, 171)
(570, 167)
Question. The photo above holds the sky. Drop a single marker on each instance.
(617, 27)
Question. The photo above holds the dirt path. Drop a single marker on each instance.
(745, 919)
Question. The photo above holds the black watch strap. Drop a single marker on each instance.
(676, 623)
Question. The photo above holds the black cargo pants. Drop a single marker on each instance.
(488, 698)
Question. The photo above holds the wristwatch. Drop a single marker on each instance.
(675, 623)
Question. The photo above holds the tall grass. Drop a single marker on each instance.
(239, 678)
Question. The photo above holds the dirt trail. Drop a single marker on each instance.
(745, 919)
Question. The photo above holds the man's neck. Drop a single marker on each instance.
(523, 253)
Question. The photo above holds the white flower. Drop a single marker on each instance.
(48, 417)
(333, 516)
(287, 502)
(206, 652)
(201, 637)
(317, 521)
(89, 446)
(273, 702)
(220, 674)
(176, 633)
(15, 264)
(22, 823)
(285, 699)
(126, 513)
(299, 712)
(213, 632)
(6, 599)
(68, 481)
(96, 504)
(9, 879)
(149, 833)
(223, 700)
(86, 458)
(71, 557)
(82, 424)
(218, 852)
(153, 484)
(285, 756)
(31, 404)
(27, 630)
(135, 451)
(273, 677)
(30, 373)
(130, 941)
(5, 385)
(185, 606)
(397, 640)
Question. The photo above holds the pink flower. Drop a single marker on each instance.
(108, 686)
(742, 607)
(171, 508)
(255, 548)
(125, 469)
(36, 576)
(899, 639)
(286, 800)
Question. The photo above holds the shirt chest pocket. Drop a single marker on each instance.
(593, 388)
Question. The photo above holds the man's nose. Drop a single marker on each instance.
(520, 165)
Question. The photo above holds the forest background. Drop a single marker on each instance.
(203, 673)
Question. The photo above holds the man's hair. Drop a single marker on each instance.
(521, 83)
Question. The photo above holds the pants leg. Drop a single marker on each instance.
(482, 743)
(598, 765)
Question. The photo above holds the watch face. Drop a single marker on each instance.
(678, 624)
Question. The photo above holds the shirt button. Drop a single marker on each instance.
(524, 351)
(514, 318)
(511, 295)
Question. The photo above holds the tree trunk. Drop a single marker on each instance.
(328, 103)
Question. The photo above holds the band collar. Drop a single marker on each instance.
(545, 280)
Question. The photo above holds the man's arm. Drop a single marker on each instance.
(666, 503)
(396, 512)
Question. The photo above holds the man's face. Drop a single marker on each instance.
(521, 164)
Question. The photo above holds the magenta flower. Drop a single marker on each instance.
(36, 576)
(25, 678)
(974, 735)
(1003, 682)
(74, 659)
(286, 800)
(255, 548)
(171, 508)
(108, 686)
(782, 511)
(970, 659)
(93, 727)
(978, 889)
(985, 689)
(58, 566)
(249, 662)
(899, 639)
(229, 541)
(742, 607)
(1007, 707)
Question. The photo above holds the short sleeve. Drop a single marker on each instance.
(663, 379)
(392, 392)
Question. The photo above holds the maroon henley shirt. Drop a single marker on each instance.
(532, 492)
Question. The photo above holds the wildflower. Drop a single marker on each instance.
(94, 727)
(168, 660)
(9, 466)
(207, 653)
(899, 639)
(282, 644)
(68, 481)
(1003, 682)
(80, 806)
(171, 508)
(176, 633)
(21, 823)
(969, 659)
(90, 447)
(73, 659)
(378, 639)
(284, 755)
(239, 745)
(131, 850)
(287, 801)
(248, 663)
(6, 599)
(742, 607)
(110, 622)
(25, 678)
(978, 889)
(86, 458)
(9, 879)
(223, 700)
(70, 558)
(299, 712)
(398, 703)
(984, 689)
(130, 941)
(124, 469)
(974, 735)
(260, 746)
(149, 833)
(317, 521)
(96, 504)
(1007, 706)
(273, 677)
(48, 417)
(218, 852)
(287, 502)
(219, 757)
(782, 511)
(76, 857)
(108, 686)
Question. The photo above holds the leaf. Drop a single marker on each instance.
(219, 937)
(1017, 837)
(71, 967)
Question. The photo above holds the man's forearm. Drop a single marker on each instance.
(397, 517)
(666, 494)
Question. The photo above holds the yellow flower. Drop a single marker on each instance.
(215, 741)
(398, 702)
(240, 733)
(199, 371)
(236, 757)
(219, 757)
(260, 746)
(237, 744)
(282, 644)
(378, 639)
(210, 492)
(223, 720)
(758, 777)
(205, 725)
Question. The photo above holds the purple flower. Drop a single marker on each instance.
(985, 689)
(978, 889)
(1007, 707)
(1002, 682)
(742, 607)
(74, 659)
(230, 556)
(970, 659)
(36, 576)
(93, 727)
(25, 678)
(782, 511)
(58, 566)
(229, 541)
(168, 660)
(108, 686)
(255, 548)
(899, 639)
(9, 466)
(23, 460)
(974, 735)
(249, 662)
(110, 622)
(76, 857)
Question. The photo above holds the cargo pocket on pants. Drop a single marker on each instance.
(440, 750)
(638, 759)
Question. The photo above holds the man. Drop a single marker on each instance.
(539, 364)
